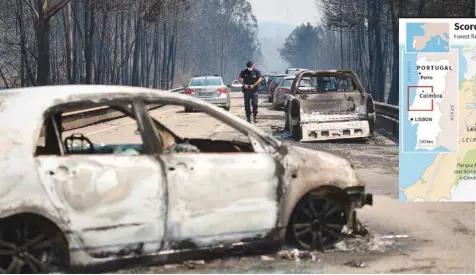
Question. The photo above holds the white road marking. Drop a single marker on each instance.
(127, 123)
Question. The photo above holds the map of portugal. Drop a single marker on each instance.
(431, 103)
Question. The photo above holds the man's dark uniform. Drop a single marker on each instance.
(250, 95)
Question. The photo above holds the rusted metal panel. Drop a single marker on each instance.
(332, 103)
(109, 202)
(220, 198)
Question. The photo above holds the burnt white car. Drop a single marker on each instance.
(66, 206)
(337, 107)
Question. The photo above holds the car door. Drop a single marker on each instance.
(114, 204)
(220, 198)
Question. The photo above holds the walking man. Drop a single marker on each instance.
(250, 79)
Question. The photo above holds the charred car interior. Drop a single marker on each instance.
(337, 107)
(56, 141)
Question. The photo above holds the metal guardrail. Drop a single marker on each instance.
(87, 117)
(387, 118)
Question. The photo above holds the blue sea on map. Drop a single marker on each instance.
(435, 44)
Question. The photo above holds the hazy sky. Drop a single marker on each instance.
(293, 12)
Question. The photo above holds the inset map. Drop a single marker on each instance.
(437, 159)
(427, 37)
(429, 118)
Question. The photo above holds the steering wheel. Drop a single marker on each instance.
(69, 141)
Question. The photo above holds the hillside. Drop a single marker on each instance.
(272, 36)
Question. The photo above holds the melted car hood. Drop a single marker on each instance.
(326, 165)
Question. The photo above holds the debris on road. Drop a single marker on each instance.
(363, 244)
(170, 266)
(193, 264)
(267, 258)
(297, 255)
(355, 263)
(394, 237)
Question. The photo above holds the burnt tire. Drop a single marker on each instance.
(32, 244)
(316, 223)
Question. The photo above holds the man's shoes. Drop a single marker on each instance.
(248, 119)
(255, 118)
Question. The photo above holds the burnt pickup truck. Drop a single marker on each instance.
(338, 107)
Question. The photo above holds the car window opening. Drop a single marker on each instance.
(206, 81)
(89, 139)
(176, 139)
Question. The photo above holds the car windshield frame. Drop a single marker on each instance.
(277, 82)
(206, 81)
(293, 71)
(334, 82)
(291, 80)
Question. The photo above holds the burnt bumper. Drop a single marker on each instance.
(358, 197)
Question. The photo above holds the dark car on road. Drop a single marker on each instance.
(273, 83)
(284, 89)
(263, 86)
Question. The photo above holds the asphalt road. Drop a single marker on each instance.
(419, 237)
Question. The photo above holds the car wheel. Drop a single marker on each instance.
(270, 99)
(316, 223)
(43, 246)
(186, 109)
(275, 105)
(227, 108)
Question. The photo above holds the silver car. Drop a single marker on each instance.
(236, 86)
(209, 88)
(284, 88)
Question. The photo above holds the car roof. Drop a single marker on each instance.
(206, 76)
(39, 99)
(22, 109)
(294, 76)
